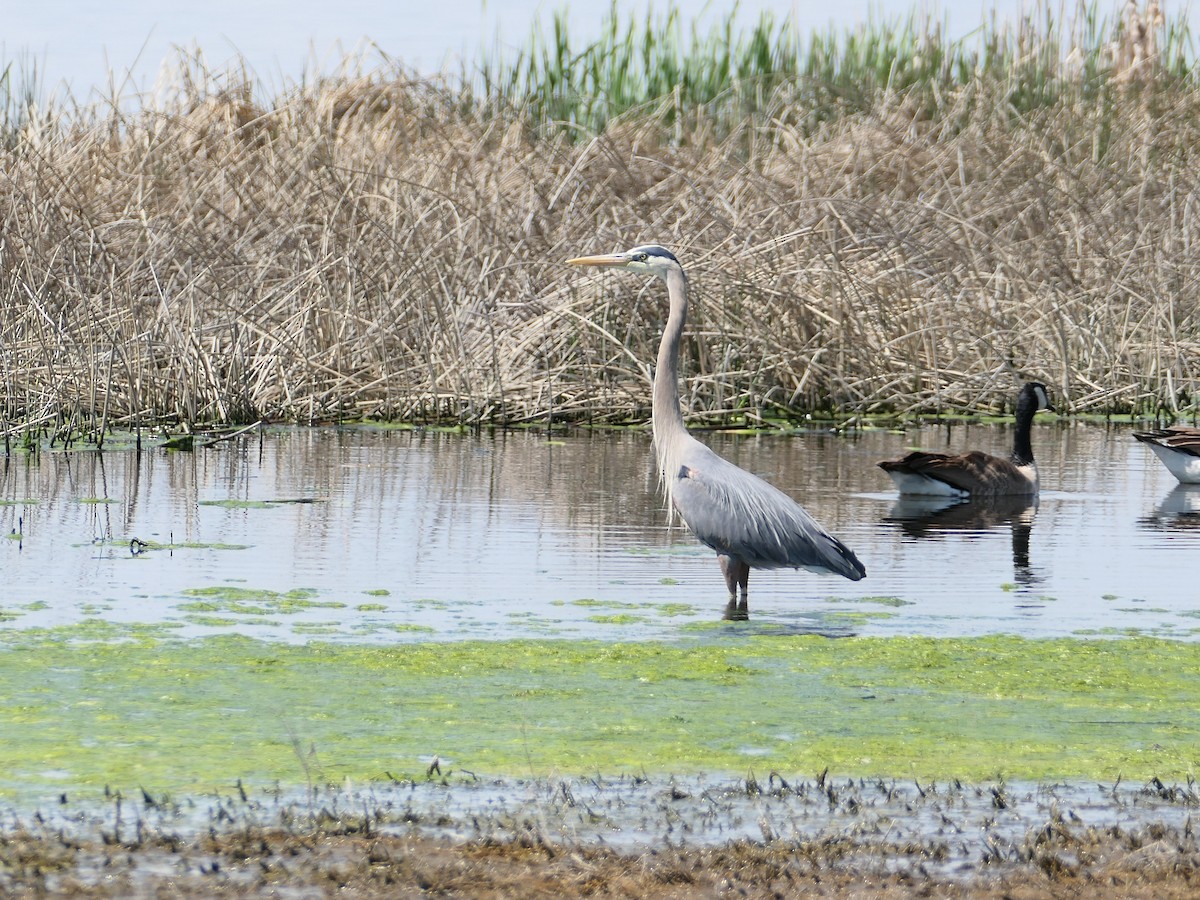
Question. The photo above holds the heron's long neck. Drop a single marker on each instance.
(1022, 453)
(666, 415)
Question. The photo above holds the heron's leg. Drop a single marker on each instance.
(737, 574)
(737, 610)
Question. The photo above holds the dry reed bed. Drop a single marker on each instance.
(381, 246)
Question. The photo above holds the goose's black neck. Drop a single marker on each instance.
(1027, 406)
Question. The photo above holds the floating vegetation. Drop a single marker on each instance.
(662, 609)
(192, 714)
(427, 603)
(317, 627)
(617, 619)
(1151, 609)
(254, 601)
(220, 621)
(607, 604)
(1125, 632)
(147, 546)
(234, 503)
(675, 609)
(855, 617)
(880, 601)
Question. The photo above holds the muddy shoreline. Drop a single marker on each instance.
(628, 836)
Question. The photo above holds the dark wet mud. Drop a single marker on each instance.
(627, 837)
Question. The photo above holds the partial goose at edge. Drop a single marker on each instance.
(1179, 449)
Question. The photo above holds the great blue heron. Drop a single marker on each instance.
(749, 523)
(977, 474)
(1179, 449)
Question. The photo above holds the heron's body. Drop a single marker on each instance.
(747, 519)
(975, 473)
(1179, 449)
(748, 522)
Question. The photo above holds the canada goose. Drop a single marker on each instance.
(977, 474)
(1179, 449)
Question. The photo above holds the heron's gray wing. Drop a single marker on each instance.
(739, 514)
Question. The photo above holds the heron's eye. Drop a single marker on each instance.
(642, 257)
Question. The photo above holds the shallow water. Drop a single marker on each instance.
(382, 535)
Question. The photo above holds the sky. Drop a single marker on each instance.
(81, 43)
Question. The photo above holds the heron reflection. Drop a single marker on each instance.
(927, 517)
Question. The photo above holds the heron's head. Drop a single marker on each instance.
(650, 259)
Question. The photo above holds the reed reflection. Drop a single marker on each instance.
(924, 517)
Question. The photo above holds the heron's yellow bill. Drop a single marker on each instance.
(607, 259)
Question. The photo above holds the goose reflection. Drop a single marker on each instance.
(931, 517)
(1178, 511)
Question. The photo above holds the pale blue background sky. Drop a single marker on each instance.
(80, 42)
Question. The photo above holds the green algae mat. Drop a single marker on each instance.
(88, 706)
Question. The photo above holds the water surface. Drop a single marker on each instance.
(365, 534)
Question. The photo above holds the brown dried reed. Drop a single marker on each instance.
(376, 245)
